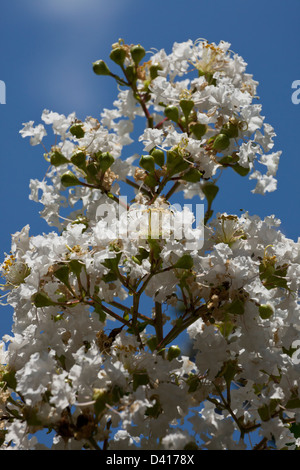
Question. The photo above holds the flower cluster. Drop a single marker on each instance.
(93, 357)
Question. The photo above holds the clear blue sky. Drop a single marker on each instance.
(46, 51)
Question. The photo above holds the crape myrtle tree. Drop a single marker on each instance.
(89, 359)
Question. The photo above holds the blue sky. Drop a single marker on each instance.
(46, 51)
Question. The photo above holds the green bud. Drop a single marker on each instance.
(186, 106)
(192, 176)
(118, 55)
(57, 158)
(159, 156)
(148, 163)
(265, 311)
(78, 159)
(105, 161)
(137, 53)
(172, 113)
(131, 73)
(173, 352)
(69, 179)
(77, 130)
(221, 142)
(151, 181)
(100, 68)
(198, 130)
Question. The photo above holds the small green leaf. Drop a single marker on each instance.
(40, 299)
(185, 262)
(186, 106)
(62, 273)
(241, 170)
(140, 378)
(210, 191)
(192, 176)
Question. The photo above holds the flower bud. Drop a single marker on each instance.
(131, 73)
(221, 142)
(78, 159)
(118, 55)
(77, 130)
(69, 179)
(105, 161)
(57, 158)
(172, 113)
(100, 68)
(147, 162)
(265, 311)
(198, 130)
(159, 156)
(173, 352)
(137, 53)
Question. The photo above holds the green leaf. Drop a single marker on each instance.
(40, 299)
(140, 378)
(192, 176)
(210, 191)
(186, 106)
(236, 307)
(75, 266)
(62, 273)
(241, 170)
(9, 378)
(185, 262)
